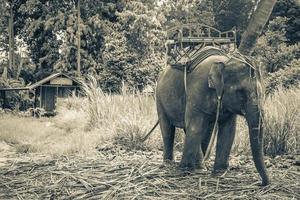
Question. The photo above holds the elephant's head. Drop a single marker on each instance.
(239, 84)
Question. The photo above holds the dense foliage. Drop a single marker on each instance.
(122, 42)
(278, 50)
(290, 10)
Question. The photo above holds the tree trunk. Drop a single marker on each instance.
(78, 38)
(11, 40)
(256, 25)
(2, 10)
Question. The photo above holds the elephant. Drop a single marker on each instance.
(189, 101)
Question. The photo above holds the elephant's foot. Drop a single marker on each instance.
(220, 169)
(168, 157)
(188, 167)
(219, 173)
(190, 164)
(265, 182)
(167, 163)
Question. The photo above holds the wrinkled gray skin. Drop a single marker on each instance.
(195, 111)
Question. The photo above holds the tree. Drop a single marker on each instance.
(133, 47)
(255, 27)
(42, 42)
(272, 49)
(280, 59)
(71, 40)
(10, 27)
(291, 10)
(2, 36)
(232, 13)
(7, 32)
(11, 37)
(176, 12)
(94, 20)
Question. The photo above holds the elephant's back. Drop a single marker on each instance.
(170, 95)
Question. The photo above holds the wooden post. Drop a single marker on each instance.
(4, 100)
(41, 96)
(35, 98)
(3, 97)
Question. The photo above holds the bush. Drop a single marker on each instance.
(16, 100)
(286, 77)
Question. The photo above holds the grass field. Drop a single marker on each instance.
(93, 149)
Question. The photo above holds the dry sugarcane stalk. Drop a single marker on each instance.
(135, 178)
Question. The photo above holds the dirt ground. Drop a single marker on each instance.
(113, 173)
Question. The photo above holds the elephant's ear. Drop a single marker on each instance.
(215, 78)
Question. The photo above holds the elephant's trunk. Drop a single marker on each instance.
(254, 120)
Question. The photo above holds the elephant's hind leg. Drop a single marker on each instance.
(168, 134)
(224, 143)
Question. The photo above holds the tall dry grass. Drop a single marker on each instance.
(124, 118)
(282, 121)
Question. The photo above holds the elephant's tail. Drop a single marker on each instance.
(214, 132)
(149, 133)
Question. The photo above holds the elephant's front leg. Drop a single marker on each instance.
(196, 125)
(224, 143)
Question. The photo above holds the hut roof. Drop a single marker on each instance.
(49, 78)
(41, 82)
